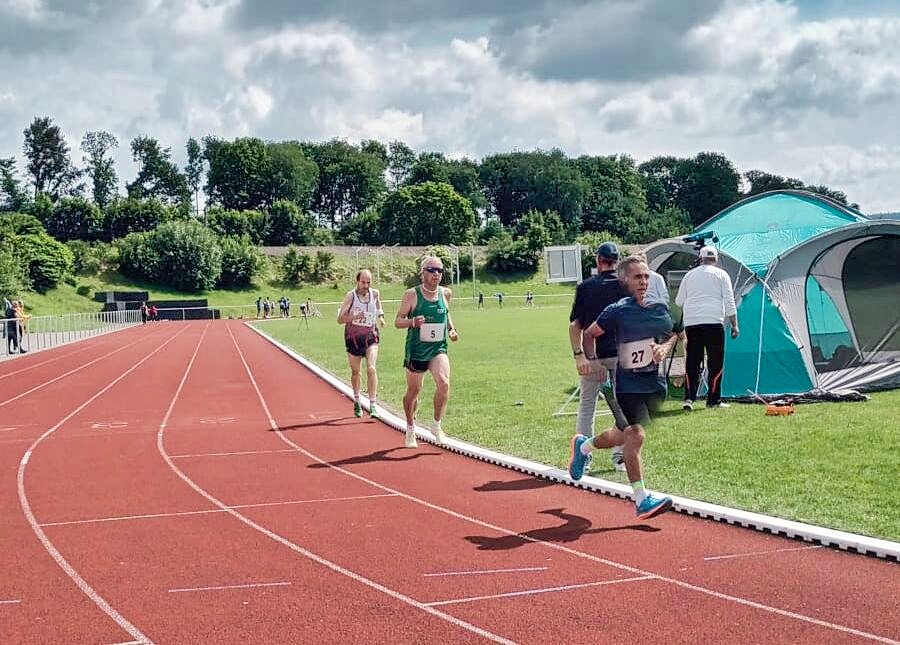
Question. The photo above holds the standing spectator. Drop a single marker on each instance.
(153, 312)
(707, 298)
(12, 327)
(266, 307)
(529, 299)
(596, 359)
(258, 306)
(21, 323)
(144, 313)
(287, 307)
(499, 295)
(481, 299)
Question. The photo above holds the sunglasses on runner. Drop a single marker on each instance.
(434, 269)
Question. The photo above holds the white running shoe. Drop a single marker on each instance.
(720, 404)
(411, 438)
(688, 405)
(438, 432)
(618, 461)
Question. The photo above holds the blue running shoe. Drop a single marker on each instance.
(653, 506)
(578, 461)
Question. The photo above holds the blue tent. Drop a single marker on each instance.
(808, 275)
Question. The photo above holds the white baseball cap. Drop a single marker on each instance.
(709, 252)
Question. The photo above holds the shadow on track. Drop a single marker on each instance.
(571, 530)
(528, 483)
(320, 423)
(378, 455)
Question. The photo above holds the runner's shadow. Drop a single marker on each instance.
(378, 455)
(320, 422)
(570, 531)
(528, 483)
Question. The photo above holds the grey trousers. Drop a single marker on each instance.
(603, 373)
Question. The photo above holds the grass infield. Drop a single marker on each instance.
(830, 464)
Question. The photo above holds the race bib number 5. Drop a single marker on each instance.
(636, 354)
(431, 332)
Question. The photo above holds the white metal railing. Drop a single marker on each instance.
(42, 332)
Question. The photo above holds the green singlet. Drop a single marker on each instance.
(426, 342)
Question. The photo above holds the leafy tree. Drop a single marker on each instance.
(650, 227)
(286, 224)
(238, 223)
(20, 224)
(194, 171)
(376, 149)
(75, 218)
(836, 195)
(290, 175)
(706, 184)
(659, 180)
(761, 182)
(97, 147)
(462, 174)
(323, 266)
(13, 272)
(93, 258)
(430, 166)
(615, 198)
(492, 228)
(350, 180)
(518, 182)
(12, 196)
(399, 162)
(49, 164)
(508, 255)
(137, 256)
(241, 261)
(428, 213)
(158, 177)
(542, 229)
(362, 229)
(132, 215)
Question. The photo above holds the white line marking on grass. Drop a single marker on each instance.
(10, 602)
(559, 547)
(226, 587)
(284, 541)
(228, 454)
(72, 371)
(150, 516)
(531, 592)
(82, 584)
(752, 553)
(483, 572)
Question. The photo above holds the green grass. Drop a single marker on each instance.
(831, 464)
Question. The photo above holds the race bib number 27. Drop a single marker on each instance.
(636, 354)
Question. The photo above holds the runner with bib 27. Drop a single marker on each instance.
(644, 337)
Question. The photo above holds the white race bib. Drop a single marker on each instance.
(636, 354)
(431, 332)
(363, 318)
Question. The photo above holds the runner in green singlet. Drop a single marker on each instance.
(425, 314)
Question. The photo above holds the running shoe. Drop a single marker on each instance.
(373, 411)
(438, 432)
(577, 463)
(411, 438)
(357, 409)
(618, 461)
(720, 404)
(688, 405)
(653, 506)
(587, 462)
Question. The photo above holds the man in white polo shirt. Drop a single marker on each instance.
(707, 299)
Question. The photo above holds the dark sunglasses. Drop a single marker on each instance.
(434, 269)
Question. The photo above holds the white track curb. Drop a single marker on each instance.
(766, 523)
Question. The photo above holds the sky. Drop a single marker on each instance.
(801, 88)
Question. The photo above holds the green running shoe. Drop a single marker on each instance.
(357, 409)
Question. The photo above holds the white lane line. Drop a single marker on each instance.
(82, 584)
(228, 454)
(225, 587)
(483, 572)
(72, 371)
(560, 547)
(531, 592)
(121, 518)
(287, 543)
(10, 602)
(752, 553)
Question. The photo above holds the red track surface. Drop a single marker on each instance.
(178, 503)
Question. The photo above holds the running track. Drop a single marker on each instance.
(190, 483)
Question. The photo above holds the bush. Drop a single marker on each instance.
(287, 224)
(296, 266)
(241, 261)
(323, 267)
(13, 273)
(589, 243)
(189, 256)
(84, 290)
(322, 237)
(20, 224)
(238, 223)
(361, 229)
(492, 228)
(48, 260)
(137, 256)
(93, 258)
(506, 255)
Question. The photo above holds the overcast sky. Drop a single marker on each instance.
(809, 89)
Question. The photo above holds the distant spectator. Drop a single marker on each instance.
(153, 312)
(499, 295)
(12, 327)
(144, 313)
(481, 300)
(266, 307)
(529, 299)
(258, 306)
(287, 307)
(21, 322)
